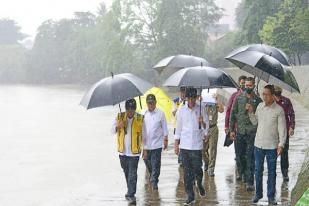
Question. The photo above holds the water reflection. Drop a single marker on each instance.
(56, 151)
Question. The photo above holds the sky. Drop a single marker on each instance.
(29, 14)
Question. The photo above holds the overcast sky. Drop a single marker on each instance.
(29, 14)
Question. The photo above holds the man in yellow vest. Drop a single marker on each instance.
(129, 128)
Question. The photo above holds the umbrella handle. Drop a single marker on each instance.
(140, 102)
(199, 124)
(257, 86)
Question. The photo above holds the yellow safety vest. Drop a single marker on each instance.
(136, 133)
(178, 105)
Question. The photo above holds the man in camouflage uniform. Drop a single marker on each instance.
(211, 141)
(246, 131)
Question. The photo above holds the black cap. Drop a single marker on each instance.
(182, 89)
(150, 98)
(130, 104)
(191, 92)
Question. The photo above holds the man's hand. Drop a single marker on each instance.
(176, 147)
(200, 120)
(174, 113)
(232, 136)
(145, 154)
(120, 125)
(226, 130)
(165, 143)
(291, 132)
(279, 150)
(249, 108)
(206, 138)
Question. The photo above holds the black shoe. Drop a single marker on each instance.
(243, 179)
(211, 173)
(205, 167)
(131, 199)
(126, 196)
(272, 201)
(238, 176)
(249, 187)
(189, 201)
(201, 191)
(154, 187)
(256, 198)
(286, 178)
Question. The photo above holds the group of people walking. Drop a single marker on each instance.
(259, 129)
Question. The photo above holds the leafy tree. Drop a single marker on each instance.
(12, 63)
(10, 32)
(252, 15)
(288, 29)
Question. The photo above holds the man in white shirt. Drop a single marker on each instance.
(269, 142)
(129, 129)
(191, 129)
(156, 138)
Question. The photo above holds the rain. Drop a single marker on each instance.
(68, 69)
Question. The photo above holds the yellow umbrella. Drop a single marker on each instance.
(164, 103)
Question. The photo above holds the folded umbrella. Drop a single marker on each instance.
(227, 141)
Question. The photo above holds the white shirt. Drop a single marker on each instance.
(127, 138)
(187, 128)
(156, 129)
(271, 130)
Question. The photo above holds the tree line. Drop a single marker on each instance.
(132, 35)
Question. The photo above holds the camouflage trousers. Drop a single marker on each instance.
(245, 156)
(210, 148)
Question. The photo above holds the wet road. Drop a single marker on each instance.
(54, 152)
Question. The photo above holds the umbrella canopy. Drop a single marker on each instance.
(200, 77)
(164, 102)
(115, 89)
(266, 68)
(265, 49)
(179, 62)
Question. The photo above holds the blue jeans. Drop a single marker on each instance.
(271, 157)
(129, 166)
(153, 165)
(244, 146)
(192, 163)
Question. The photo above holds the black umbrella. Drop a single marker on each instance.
(265, 49)
(265, 67)
(115, 89)
(179, 62)
(200, 77)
